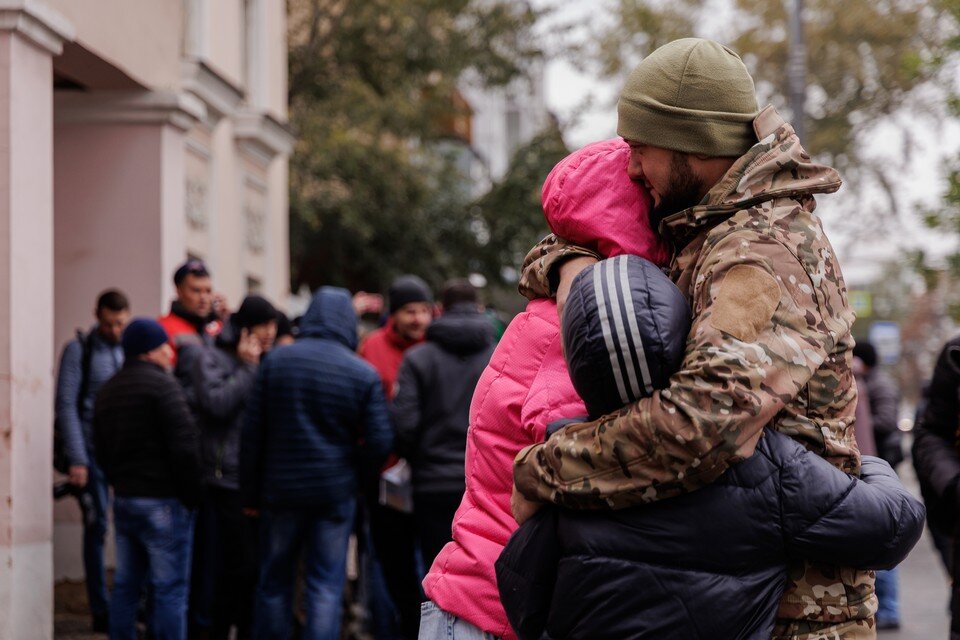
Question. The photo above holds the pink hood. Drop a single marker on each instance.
(587, 199)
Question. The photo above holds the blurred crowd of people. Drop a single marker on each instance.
(240, 454)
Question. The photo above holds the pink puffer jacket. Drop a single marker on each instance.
(587, 199)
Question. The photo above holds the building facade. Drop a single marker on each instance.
(505, 118)
(133, 134)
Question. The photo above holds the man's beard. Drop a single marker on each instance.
(685, 190)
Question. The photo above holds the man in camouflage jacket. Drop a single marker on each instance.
(770, 345)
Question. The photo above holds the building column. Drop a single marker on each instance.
(30, 35)
(119, 199)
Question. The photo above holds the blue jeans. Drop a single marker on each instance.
(437, 624)
(154, 538)
(888, 596)
(323, 533)
(94, 510)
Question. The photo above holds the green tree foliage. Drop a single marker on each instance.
(865, 59)
(510, 217)
(947, 216)
(374, 186)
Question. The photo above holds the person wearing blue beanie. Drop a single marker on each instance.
(148, 446)
(141, 336)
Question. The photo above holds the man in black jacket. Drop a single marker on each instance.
(221, 380)
(937, 462)
(316, 424)
(148, 447)
(431, 409)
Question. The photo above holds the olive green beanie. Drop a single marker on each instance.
(690, 95)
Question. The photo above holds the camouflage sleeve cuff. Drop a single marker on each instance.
(526, 474)
(540, 273)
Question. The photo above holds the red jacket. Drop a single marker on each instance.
(182, 332)
(384, 349)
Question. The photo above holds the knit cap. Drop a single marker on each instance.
(407, 290)
(253, 310)
(690, 95)
(142, 335)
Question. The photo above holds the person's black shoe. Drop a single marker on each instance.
(888, 625)
(101, 623)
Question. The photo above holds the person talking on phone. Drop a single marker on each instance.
(198, 314)
(222, 377)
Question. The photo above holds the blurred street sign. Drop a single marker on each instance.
(862, 302)
(885, 337)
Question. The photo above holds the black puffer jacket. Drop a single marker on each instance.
(221, 384)
(709, 564)
(316, 422)
(434, 387)
(936, 459)
(146, 440)
(935, 453)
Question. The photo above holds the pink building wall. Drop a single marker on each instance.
(141, 38)
(107, 219)
(118, 217)
(26, 310)
(92, 195)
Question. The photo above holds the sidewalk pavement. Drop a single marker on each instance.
(924, 594)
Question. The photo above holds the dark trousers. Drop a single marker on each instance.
(224, 567)
(434, 513)
(321, 534)
(394, 541)
(94, 504)
(955, 589)
(382, 621)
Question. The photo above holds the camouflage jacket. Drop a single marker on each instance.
(770, 346)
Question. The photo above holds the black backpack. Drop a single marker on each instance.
(61, 462)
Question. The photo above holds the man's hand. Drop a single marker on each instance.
(249, 348)
(522, 508)
(569, 271)
(77, 476)
(364, 303)
(220, 306)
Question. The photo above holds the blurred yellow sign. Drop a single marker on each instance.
(862, 303)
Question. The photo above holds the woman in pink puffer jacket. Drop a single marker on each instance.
(589, 200)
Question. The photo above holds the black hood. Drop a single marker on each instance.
(462, 330)
(331, 317)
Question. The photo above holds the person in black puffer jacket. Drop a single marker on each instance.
(707, 564)
(431, 409)
(224, 553)
(316, 424)
(936, 459)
